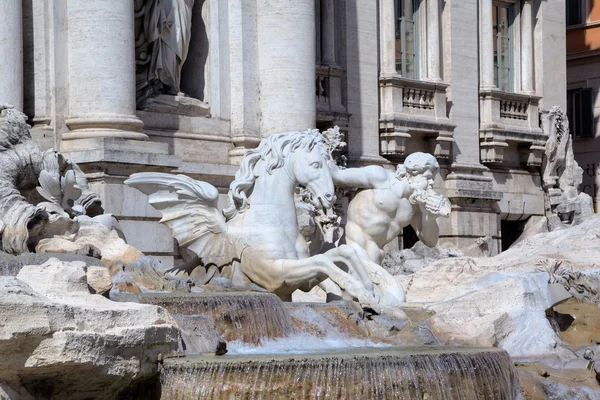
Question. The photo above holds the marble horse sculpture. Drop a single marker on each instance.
(257, 237)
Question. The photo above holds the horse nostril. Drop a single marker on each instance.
(328, 196)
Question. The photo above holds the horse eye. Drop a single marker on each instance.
(316, 164)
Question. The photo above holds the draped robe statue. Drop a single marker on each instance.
(163, 32)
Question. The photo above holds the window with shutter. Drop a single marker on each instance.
(580, 111)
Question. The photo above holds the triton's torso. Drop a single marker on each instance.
(383, 212)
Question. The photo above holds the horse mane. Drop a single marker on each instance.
(272, 150)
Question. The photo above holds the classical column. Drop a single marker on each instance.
(387, 34)
(101, 70)
(433, 40)
(11, 53)
(486, 45)
(287, 65)
(328, 32)
(526, 48)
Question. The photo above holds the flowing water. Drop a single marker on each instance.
(249, 317)
(424, 373)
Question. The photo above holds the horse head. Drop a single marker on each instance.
(310, 169)
(302, 155)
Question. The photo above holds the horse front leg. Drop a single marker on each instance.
(387, 290)
(355, 262)
(295, 273)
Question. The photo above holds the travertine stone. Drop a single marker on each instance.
(101, 61)
(486, 34)
(433, 40)
(98, 280)
(11, 54)
(527, 81)
(111, 345)
(286, 64)
(387, 32)
(503, 300)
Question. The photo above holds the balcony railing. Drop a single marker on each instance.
(419, 115)
(510, 118)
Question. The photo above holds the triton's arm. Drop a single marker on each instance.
(426, 227)
(431, 206)
(371, 177)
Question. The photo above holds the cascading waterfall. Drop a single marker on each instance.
(244, 316)
(392, 373)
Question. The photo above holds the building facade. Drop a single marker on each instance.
(466, 80)
(583, 84)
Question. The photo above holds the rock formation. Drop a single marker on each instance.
(57, 338)
(503, 300)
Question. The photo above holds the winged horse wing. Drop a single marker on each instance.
(190, 209)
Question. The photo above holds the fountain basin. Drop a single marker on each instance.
(245, 316)
(428, 372)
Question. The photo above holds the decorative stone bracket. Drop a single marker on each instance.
(510, 117)
(417, 110)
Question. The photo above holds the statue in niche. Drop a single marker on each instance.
(163, 30)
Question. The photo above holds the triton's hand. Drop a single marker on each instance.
(437, 204)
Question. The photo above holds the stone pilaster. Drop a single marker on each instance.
(433, 41)
(11, 53)
(287, 65)
(486, 48)
(328, 32)
(475, 216)
(387, 28)
(527, 82)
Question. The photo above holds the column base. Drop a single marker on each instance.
(242, 144)
(114, 126)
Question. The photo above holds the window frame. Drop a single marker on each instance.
(513, 45)
(577, 123)
(400, 36)
(581, 5)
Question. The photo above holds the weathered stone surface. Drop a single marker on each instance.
(502, 300)
(99, 280)
(11, 265)
(419, 256)
(144, 275)
(92, 234)
(50, 326)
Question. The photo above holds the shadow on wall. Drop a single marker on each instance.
(193, 74)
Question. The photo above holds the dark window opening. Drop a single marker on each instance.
(511, 230)
(574, 9)
(580, 111)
